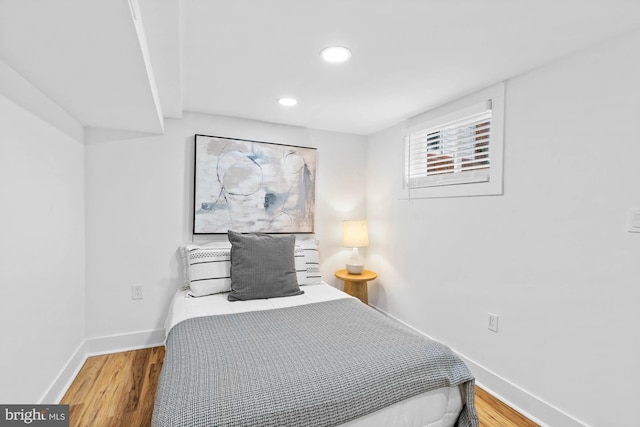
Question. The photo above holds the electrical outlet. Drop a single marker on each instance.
(493, 322)
(136, 291)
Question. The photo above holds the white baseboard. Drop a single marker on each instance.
(97, 346)
(66, 376)
(124, 342)
(519, 399)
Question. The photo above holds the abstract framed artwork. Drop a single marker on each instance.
(252, 186)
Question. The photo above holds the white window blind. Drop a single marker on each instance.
(454, 149)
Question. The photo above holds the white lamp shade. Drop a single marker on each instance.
(355, 234)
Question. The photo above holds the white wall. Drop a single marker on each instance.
(551, 256)
(139, 211)
(41, 253)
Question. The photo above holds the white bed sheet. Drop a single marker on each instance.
(436, 408)
(183, 306)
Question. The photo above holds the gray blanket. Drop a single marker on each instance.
(319, 364)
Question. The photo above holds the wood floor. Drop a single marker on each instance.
(494, 413)
(118, 390)
(115, 389)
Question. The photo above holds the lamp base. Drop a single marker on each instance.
(355, 268)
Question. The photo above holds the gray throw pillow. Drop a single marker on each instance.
(262, 266)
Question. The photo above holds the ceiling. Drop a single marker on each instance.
(124, 65)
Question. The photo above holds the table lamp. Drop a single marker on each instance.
(355, 235)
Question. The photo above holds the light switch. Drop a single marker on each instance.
(634, 221)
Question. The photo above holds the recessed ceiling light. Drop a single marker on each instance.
(287, 102)
(335, 54)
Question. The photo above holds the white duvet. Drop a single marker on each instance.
(437, 408)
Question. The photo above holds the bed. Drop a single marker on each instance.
(315, 357)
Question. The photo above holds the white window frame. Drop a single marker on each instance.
(479, 183)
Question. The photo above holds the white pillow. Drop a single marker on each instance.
(207, 269)
(184, 255)
(307, 262)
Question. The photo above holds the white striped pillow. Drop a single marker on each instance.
(208, 269)
(307, 262)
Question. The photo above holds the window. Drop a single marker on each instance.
(451, 153)
(460, 146)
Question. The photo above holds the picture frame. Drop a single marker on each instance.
(252, 186)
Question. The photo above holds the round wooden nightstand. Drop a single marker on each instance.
(356, 284)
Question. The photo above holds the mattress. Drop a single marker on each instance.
(436, 408)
